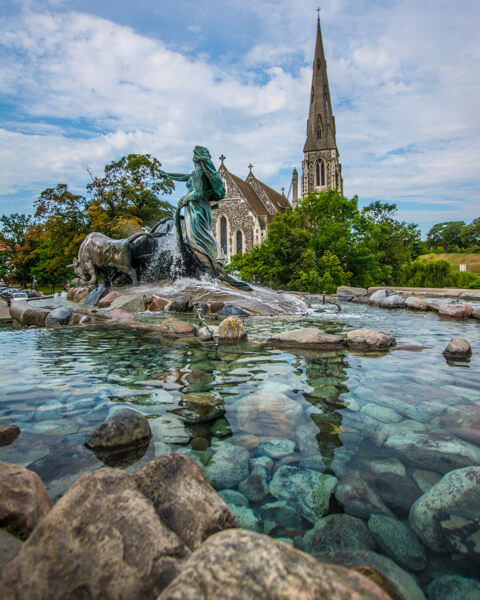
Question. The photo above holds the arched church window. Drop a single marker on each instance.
(223, 234)
(319, 134)
(320, 173)
(239, 242)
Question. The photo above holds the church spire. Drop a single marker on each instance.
(321, 169)
(321, 123)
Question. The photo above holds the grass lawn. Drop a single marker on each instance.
(471, 260)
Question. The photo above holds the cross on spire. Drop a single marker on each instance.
(250, 166)
(222, 158)
(318, 12)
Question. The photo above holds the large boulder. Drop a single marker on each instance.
(231, 329)
(156, 304)
(183, 498)
(414, 303)
(377, 296)
(447, 517)
(242, 565)
(458, 349)
(199, 407)
(264, 413)
(126, 427)
(9, 546)
(454, 587)
(173, 328)
(107, 300)
(369, 340)
(23, 498)
(393, 301)
(102, 539)
(58, 316)
(456, 311)
(345, 290)
(308, 337)
(463, 421)
(230, 310)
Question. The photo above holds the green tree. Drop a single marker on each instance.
(448, 235)
(470, 234)
(127, 196)
(431, 273)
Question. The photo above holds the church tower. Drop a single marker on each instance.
(321, 168)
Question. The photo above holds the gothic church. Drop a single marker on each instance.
(240, 220)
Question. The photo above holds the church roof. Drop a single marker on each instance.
(279, 200)
(250, 195)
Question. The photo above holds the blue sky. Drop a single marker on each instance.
(85, 82)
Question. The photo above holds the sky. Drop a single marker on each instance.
(85, 82)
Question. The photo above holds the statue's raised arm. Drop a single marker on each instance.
(176, 176)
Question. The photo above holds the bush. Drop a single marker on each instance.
(470, 281)
(431, 273)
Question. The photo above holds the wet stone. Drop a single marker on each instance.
(228, 467)
(454, 587)
(58, 316)
(169, 429)
(246, 518)
(398, 541)
(199, 408)
(463, 421)
(397, 492)
(276, 447)
(8, 434)
(125, 428)
(457, 349)
(338, 532)
(381, 413)
(425, 479)
(356, 491)
(221, 428)
(233, 497)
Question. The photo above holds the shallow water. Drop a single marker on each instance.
(59, 385)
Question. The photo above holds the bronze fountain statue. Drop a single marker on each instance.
(171, 249)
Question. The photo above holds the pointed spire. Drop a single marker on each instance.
(320, 125)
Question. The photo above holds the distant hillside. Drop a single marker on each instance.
(471, 260)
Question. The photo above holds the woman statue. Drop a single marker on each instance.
(204, 185)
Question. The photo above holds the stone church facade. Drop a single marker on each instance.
(240, 220)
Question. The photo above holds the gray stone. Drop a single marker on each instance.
(132, 303)
(436, 451)
(305, 489)
(397, 492)
(458, 349)
(398, 541)
(345, 290)
(308, 337)
(377, 296)
(386, 465)
(447, 517)
(338, 532)
(58, 316)
(230, 310)
(125, 428)
(456, 311)
(233, 497)
(393, 301)
(454, 587)
(413, 303)
(277, 447)
(199, 407)
(169, 429)
(254, 487)
(404, 584)
(281, 513)
(221, 428)
(358, 494)
(246, 518)
(105, 540)
(206, 334)
(232, 330)
(228, 466)
(242, 565)
(23, 498)
(369, 340)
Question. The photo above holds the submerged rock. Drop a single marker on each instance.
(463, 421)
(357, 492)
(458, 349)
(454, 587)
(306, 490)
(199, 407)
(242, 565)
(369, 340)
(169, 429)
(277, 447)
(338, 532)
(398, 541)
(272, 414)
(228, 467)
(308, 337)
(174, 328)
(23, 498)
(125, 428)
(447, 517)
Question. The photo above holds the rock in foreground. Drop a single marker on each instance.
(242, 565)
(458, 349)
(23, 498)
(369, 340)
(125, 428)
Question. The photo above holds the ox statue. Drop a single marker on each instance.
(100, 253)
